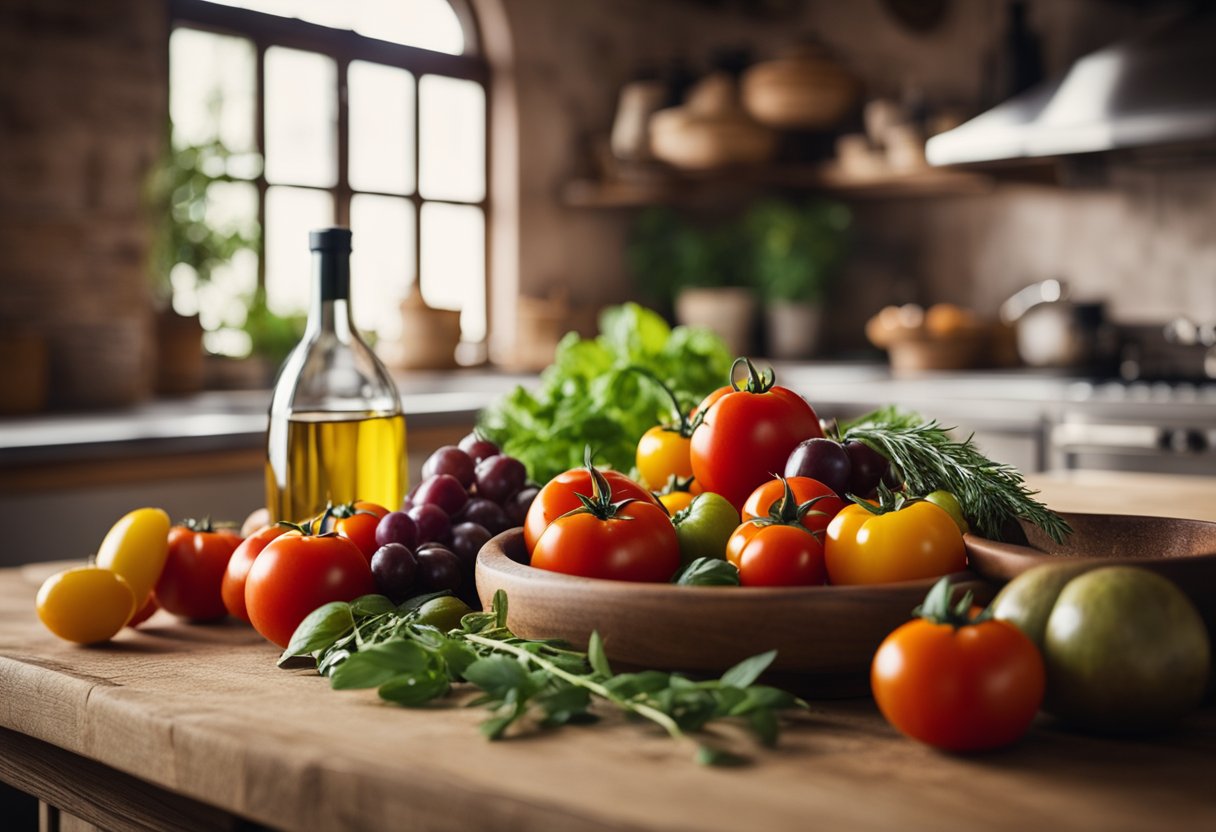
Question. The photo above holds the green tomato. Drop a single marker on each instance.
(704, 527)
(950, 504)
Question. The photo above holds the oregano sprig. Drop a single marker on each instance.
(371, 643)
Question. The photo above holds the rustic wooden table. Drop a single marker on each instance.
(193, 727)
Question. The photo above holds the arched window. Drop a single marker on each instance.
(367, 113)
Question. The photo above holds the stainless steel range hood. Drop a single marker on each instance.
(1155, 89)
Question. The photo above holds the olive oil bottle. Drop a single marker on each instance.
(336, 429)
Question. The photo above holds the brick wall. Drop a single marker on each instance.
(82, 113)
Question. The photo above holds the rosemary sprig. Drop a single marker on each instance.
(928, 459)
(370, 643)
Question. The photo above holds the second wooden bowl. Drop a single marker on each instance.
(822, 633)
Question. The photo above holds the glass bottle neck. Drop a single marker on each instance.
(330, 310)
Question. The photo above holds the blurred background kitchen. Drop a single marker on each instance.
(1000, 213)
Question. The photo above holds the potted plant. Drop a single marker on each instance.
(796, 249)
(695, 269)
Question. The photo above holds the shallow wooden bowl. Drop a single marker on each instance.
(824, 633)
(1182, 550)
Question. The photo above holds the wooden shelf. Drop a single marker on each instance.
(680, 186)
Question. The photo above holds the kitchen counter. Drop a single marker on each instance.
(193, 727)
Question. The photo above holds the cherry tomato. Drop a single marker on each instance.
(747, 435)
(761, 501)
(560, 496)
(740, 538)
(86, 605)
(357, 522)
(295, 574)
(610, 537)
(663, 454)
(781, 555)
(232, 587)
(189, 586)
(961, 684)
(136, 548)
(675, 501)
(918, 540)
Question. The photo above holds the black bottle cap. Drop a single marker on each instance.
(329, 239)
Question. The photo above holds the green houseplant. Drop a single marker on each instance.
(796, 250)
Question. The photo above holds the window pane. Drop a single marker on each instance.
(428, 24)
(454, 263)
(381, 128)
(301, 118)
(211, 89)
(452, 122)
(382, 263)
(290, 214)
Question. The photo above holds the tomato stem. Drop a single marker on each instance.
(757, 382)
(936, 607)
(682, 426)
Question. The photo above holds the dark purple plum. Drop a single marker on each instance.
(467, 540)
(478, 448)
(442, 490)
(485, 513)
(397, 527)
(500, 476)
(395, 570)
(518, 504)
(868, 468)
(451, 460)
(821, 459)
(438, 569)
(433, 523)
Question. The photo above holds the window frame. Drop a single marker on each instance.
(342, 46)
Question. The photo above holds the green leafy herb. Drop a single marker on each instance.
(593, 394)
(369, 643)
(927, 459)
(708, 572)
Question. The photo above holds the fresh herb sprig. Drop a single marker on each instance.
(928, 459)
(371, 643)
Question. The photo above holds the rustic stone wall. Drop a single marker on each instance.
(82, 113)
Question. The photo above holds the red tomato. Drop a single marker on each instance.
(961, 688)
(295, 574)
(232, 588)
(762, 500)
(357, 522)
(189, 585)
(747, 436)
(780, 555)
(638, 543)
(560, 496)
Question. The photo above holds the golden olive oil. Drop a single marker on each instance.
(314, 458)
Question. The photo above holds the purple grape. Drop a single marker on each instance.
(430, 544)
(477, 447)
(821, 459)
(500, 476)
(485, 513)
(395, 569)
(518, 504)
(868, 468)
(438, 569)
(397, 527)
(467, 540)
(451, 460)
(408, 502)
(433, 523)
(444, 491)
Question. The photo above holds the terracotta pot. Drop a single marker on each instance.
(180, 360)
(729, 311)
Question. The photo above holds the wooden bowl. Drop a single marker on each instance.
(826, 635)
(1182, 550)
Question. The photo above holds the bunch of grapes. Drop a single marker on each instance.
(468, 494)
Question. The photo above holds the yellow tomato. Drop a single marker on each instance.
(86, 605)
(676, 501)
(662, 454)
(136, 548)
(919, 540)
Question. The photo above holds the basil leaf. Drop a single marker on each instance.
(377, 664)
(412, 690)
(496, 675)
(708, 572)
(369, 606)
(748, 670)
(321, 628)
(596, 655)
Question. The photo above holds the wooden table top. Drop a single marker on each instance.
(202, 711)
